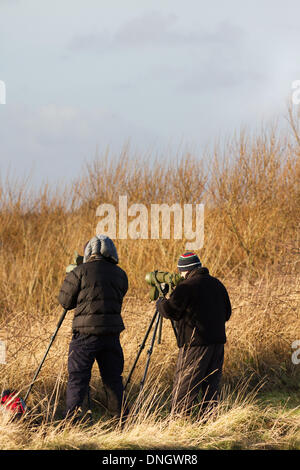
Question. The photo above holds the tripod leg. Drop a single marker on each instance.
(149, 352)
(160, 330)
(46, 353)
(174, 329)
(141, 349)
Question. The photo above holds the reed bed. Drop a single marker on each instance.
(250, 189)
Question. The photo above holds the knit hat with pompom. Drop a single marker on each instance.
(188, 261)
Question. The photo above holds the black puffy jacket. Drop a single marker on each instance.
(200, 306)
(96, 290)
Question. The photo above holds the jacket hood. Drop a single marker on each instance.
(101, 245)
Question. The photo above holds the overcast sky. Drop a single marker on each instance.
(82, 75)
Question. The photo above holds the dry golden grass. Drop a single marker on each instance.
(239, 422)
(252, 199)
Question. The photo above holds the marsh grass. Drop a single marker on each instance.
(250, 189)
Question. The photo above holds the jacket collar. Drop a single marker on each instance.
(96, 258)
(197, 272)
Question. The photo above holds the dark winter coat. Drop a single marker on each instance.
(96, 290)
(200, 306)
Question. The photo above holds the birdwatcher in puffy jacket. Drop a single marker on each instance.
(95, 289)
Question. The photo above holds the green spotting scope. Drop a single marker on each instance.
(78, 259)
(162, 282)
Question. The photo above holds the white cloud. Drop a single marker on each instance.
(154, 29)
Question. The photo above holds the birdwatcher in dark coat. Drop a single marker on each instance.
(200, 307)
(95, 289)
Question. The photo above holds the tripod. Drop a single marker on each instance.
(46, 353)
(157, 321)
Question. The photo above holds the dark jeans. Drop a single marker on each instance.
(199, 368)
(83, 351)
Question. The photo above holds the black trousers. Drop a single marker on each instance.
(83, 351)
(198, 369)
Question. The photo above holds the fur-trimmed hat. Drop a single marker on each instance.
(103, 246)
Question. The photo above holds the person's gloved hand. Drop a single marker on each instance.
(164, 288)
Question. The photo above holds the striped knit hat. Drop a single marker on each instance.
(188, 261)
